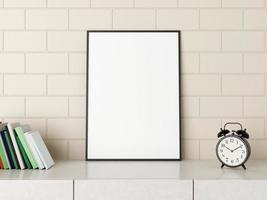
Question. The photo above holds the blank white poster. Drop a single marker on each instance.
(133, 97)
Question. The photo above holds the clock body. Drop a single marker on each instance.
(233, 150)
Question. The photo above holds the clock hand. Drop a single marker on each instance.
(237, 148)
(228, 148)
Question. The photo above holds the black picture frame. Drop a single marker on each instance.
(87, 89)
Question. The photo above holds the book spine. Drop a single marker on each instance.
(34, 152)
(3, 155)
(23, 153)
(42, 150)
(1, 164)
(7, 166)
(15, 145)
(20, 134)
(11, 149)
(12, 166)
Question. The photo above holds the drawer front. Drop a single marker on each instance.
(133, 190)
(36, 190)
(230, 189)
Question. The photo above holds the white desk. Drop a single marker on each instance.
(185, 180)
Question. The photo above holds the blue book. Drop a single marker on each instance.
(7, 150)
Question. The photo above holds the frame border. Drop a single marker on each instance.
(87, 89)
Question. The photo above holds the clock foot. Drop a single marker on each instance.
(244, 167)
(222, 165)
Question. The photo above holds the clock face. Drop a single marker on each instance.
(232, 151)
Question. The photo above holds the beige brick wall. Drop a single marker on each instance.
(224, 65)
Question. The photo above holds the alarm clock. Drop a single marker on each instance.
(233, 149)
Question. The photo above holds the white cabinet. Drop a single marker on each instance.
(36, 189)
(187, 180)
(230, 189)
(158, 189)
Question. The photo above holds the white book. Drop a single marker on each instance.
(15, 145)
(31, 144)
(42, 149)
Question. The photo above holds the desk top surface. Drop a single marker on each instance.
(178, 170)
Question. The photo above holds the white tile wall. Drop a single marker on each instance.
(233, 21)
(46, 107)
(85, 19)
(175, 19)
(156, 3)
(200, 3)
(24, 41)
(70, 128)
(47, 63)
(25, 85)
(201, 85)
(224, 65)
(12, 62)
(201, 40)
(24, 3)
(66, 85)
(66, 41)
(68, 3)
(243, 3)
(11, 19)
(46, 19)
(134, 19)
(112, 3)
(243, 41)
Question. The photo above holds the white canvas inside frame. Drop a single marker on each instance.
(133, 95)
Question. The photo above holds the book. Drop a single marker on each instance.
(3, 155)
(20, 134)
(31, 144)
(11, 148)
(42, 149)
(23, 153)
(1, 164)
(15, 145)
(3, 135)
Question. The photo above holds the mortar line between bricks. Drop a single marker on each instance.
(130, 8)
(43, 73)
(220, 117)
(185, 51)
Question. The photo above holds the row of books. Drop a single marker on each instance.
(21, 148)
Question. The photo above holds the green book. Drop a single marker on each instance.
(11, 149)
(3, 155)
(23, 141)
(23, 153)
